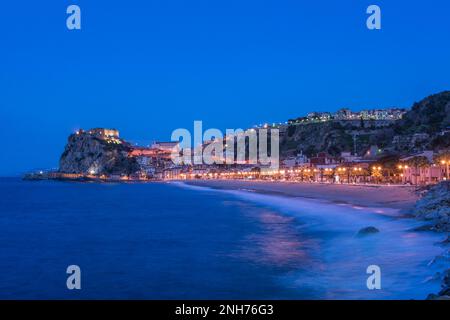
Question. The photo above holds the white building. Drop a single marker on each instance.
(167, 146)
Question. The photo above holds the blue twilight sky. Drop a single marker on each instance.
(148, 67)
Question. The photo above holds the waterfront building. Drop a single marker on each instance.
(419, 169)
(423, 175)
(298, 160)
(173, 173)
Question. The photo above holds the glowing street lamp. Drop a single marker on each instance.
(446, 163)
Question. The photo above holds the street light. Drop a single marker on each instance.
(377, 170)
(446, 162)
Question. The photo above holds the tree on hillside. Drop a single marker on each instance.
(443, 156)
(430, 115)
(441, 141)
(389, 163)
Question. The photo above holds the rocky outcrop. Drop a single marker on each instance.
(89, 154)
(444, 294)
(367, 231)
(446, 285)
(434, 207)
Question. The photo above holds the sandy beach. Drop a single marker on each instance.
(396, 197)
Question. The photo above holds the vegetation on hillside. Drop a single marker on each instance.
(422, 128)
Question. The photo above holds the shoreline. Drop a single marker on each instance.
(394, 197)
(356, 195)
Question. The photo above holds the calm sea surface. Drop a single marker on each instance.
(171, 241)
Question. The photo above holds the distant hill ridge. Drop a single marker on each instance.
(431, 115)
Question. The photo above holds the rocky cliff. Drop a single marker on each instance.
(435, 207)
(85, 153)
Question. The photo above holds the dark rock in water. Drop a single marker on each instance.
(368, 230)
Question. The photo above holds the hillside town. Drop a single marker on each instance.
(378, 116)
(372, 167)
(379, 146)
(424, 168)
(344, 114)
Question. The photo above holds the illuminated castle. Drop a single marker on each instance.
(101, 132)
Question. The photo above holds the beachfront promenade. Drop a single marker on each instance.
(369, 195)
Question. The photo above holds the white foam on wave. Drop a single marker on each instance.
(343, 256)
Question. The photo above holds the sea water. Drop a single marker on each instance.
(173, 241)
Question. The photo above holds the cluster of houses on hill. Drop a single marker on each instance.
(379, 117)
(155, 160)
(346, 114)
